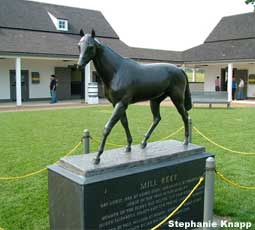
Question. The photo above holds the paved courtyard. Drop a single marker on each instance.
(42, 105)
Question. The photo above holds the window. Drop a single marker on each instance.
(62, 25)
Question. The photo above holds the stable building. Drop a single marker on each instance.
(38, 40)
(228, 51)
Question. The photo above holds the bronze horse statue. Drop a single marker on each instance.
(127, 82)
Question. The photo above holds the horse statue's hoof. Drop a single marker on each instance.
(143, 145)
(96, 161)
(128, 149)
(186, 141)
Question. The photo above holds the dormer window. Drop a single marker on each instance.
(62, 25)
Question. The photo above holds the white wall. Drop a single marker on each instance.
(5, 66)
(211, 72)
(45, 67)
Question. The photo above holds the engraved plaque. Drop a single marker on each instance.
(136, 193)
(142, 200)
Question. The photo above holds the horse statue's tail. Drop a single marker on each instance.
(187, 99)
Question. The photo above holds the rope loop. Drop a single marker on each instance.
(234, 184)
(38, 171)
(117, 145)
(221, 146)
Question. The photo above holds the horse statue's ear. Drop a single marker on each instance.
(82, 33)
(93, 33)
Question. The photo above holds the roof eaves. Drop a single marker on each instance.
(226, 61)
(233, 39)
(156, 60)
(52, 32)
(45, 55)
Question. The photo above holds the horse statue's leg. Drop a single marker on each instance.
(156, 119)
(118, 112)
(124, 122)
(185, 118)
(178, 101)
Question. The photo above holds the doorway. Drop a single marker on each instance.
(77, 83)
(63, 77)
(242, 73)
(70, 83)
(24, 85)
(223, 80)
(237, 73)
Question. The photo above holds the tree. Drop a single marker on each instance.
(250, 1)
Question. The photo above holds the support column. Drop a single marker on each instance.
(18, 82)
(230, 76)
(87, 80)
(193, 74)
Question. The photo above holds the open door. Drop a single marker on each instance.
(244, 74)
(223, 80)
(77, 83)
(63, 77)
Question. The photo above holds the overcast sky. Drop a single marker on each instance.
(162, 24)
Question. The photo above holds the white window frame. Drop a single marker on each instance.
(64, 23)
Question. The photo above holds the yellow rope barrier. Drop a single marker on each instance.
(172, 134)
(70, 152)
(41, 170)
(107, 143)
(117, 145)
(180, 205)
(222, 177)
(222, 147)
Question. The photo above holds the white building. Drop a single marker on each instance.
(38, 40)
(228, 51)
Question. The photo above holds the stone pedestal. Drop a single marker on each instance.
(127, 190)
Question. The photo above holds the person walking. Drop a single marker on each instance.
(53, 89)
(217, 84)
(240, 95)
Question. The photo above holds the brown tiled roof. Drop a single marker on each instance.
(159, 55)
(221, 50)
(37, 43)
(233, 27)
(28, 15)
(233, 38)
(26, 29)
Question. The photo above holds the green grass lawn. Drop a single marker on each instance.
(32, 140)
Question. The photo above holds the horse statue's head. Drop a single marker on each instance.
(87, 48)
